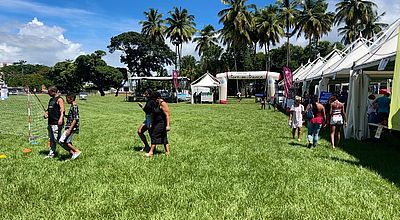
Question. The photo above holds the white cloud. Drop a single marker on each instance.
(37, 43)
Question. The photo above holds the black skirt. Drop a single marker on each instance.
(158, 133)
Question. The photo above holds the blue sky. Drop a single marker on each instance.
(68, 28)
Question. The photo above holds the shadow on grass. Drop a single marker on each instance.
(60, 157)
(139, 149)
(381, 156)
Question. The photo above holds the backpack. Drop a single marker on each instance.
(309, 114)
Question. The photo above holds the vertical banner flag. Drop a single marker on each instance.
(394, 116)
(288, 80)
(175, 78)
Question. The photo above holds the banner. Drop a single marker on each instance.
(288, 80)
(175, 76)
(394, 116)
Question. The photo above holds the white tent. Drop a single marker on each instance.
(385, 47)
(203, 84)
(354, 52)
(332, 58)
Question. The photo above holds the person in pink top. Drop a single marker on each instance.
(338, 119)
(316, 121)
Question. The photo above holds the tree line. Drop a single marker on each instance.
(246, 30)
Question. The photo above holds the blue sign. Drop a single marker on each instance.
(324, 97)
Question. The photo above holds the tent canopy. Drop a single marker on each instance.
(206, 80)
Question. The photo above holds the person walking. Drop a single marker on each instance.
(262, 101)
(55, 118)
(315, 112)
(148, 109)
(71, 127)
(296, 118)
(383, 107)
(338, 119)
(160, 126)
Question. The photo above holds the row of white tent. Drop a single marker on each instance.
(358, 64)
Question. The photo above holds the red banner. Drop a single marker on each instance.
(175, 76)
(288, 83)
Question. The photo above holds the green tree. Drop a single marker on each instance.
(237, 23)
(65, 77)
(358, 16)
(270, 29)
(118, 85)
(22, 74)
(288, 12)
(140, 54)
(314, 21)
(206, 39)
(211, 60)
(153, 27)
(188, 67)
(181, 28)
(373, 27)
(104, 77)
(94, 69)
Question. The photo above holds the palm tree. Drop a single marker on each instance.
(270, 29)
(237, 21)
(359, 17)
(351, 12)
(313, 20)
(181, 28)
(373, 27)
(206, 39)
(287, 11)
(153, 27)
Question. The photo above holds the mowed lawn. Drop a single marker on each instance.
(227, 162)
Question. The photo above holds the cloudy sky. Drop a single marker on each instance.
(48, 31)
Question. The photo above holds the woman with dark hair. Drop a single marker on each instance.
(316, 121)
(338, 118)
(160, 125)
(148, 109)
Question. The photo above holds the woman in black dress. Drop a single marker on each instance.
(160, 126)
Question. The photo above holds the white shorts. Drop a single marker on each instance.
(65, 139)
(337, 120)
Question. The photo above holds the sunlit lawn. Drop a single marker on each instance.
(227, 161)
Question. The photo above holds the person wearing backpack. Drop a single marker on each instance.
(315, 113)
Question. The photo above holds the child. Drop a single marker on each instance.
(262, 102)
(71, 128)
(55, 117)
(296, 118)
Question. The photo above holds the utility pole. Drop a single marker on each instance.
(287, 34)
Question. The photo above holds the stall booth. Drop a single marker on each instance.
(204, 89)
(376, 66)
(270, 77)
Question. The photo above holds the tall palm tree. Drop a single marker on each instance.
(287, 11)
(359, 17)
(270, 29)
(181, 28)
(206, 39)
(153, 27)
(237, 21)
(352, 12)
(373, 27)
(314, 20)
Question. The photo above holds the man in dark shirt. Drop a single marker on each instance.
(55, 118)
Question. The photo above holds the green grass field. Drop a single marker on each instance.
(227, 162)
